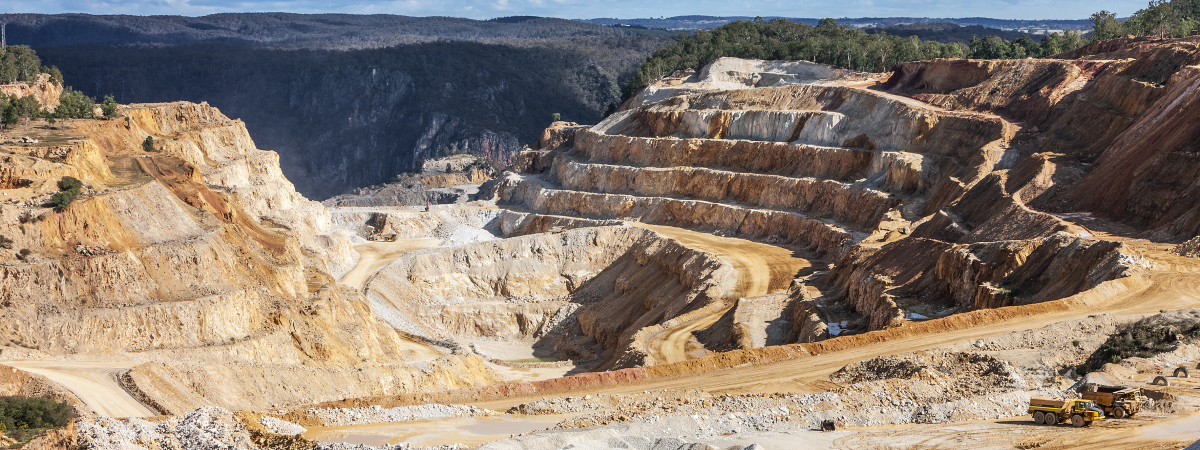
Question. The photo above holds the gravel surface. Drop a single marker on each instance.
(332, 417)
(279, 426)
(206, 428)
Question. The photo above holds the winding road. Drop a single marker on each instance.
(762, 269)
(373, 256)
(93, 382)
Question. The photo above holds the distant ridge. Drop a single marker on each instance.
(287, 30)
(708, 22)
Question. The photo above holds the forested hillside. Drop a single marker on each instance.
(285, 30)
(343, 109)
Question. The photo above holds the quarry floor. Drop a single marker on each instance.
(1167, 282)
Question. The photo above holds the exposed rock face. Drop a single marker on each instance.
(606, 282)
(1117, 111)
(931, 192)
(201, 262)
(42, 89)
(441, 181)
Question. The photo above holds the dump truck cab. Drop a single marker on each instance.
(1077, 412)
(1117, 401)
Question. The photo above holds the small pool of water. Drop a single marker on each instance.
(464, 430)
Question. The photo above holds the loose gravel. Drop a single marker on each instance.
(333, 417)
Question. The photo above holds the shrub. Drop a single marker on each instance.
(25, 418)
(69, 189)
(61, 200)
(5, 242)
(1143, 339)
(33, 412)
(69, 183)
(148, 144)
(109, 107)
(24, 253)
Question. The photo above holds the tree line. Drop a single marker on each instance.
(1160, 18)
(20, 64)
(829, 43)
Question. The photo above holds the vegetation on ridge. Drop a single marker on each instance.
(829, 43)
(21, 63)
(1160, 18)
(69, 188)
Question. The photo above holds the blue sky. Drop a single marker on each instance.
(575, 9)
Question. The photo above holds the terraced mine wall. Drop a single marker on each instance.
(1115, 110)
(201, 263)
(602, 284)
(919, 189)
(764, 224)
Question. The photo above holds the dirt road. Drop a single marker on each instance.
(374, 255)
(762, 269)
(93, 382)
(1172, 282)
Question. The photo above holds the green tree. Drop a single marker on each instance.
(148, 144)
(69, 188)
(69, 183)
(991, 47)
(109, 107)
(19, 63)
(1052, 44)
(1159, 16)
(10, 115)
(27, 106)
(1029, 46)
(55, 75)
(73, 104)
(555, 117)
(1106, 26)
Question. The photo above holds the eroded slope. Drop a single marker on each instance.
(196, 265)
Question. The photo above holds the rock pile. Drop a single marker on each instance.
(206, 428)
(278, 426)
(332, 417)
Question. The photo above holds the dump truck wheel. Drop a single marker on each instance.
(1051, 419)
(1120, 413)
(1077, 421)
(1039, 417)
(1182, 372)
(1161, 381)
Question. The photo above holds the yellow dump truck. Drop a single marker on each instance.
(1052, 411)
(1117, 401)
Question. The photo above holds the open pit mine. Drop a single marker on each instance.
(760, 255)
